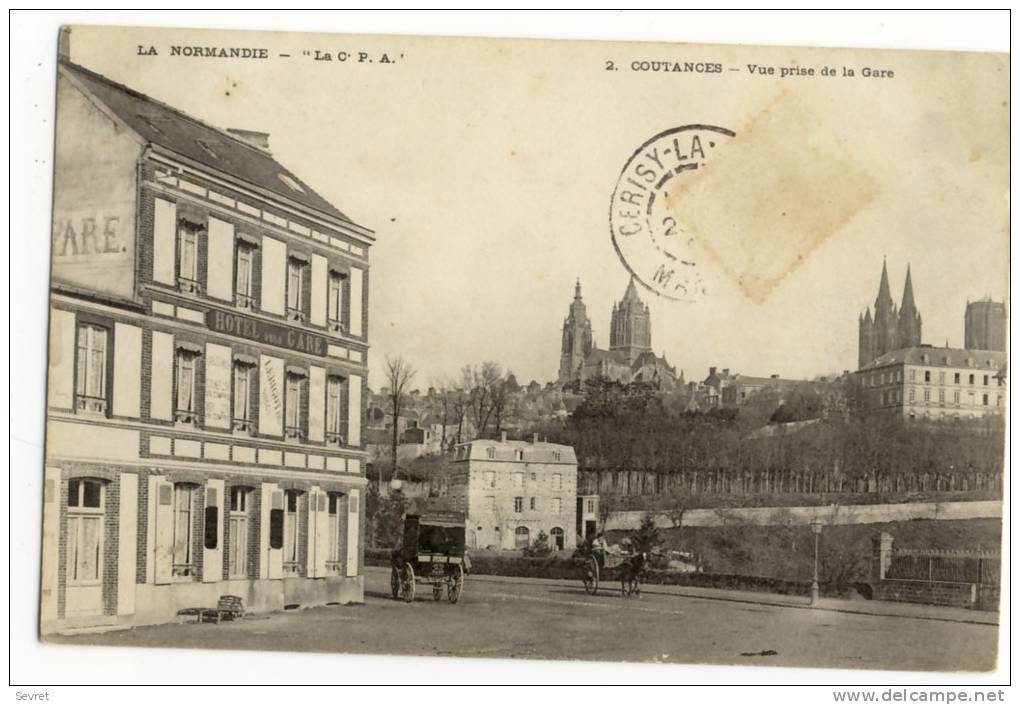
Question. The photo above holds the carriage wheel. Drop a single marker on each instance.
(591, 576)
(395, 582)
(455, 584)
(407, 583)
(437, 592)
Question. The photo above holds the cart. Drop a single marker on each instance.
(432, 553)
(598, 565)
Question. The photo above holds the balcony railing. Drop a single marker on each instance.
(334, 439)
(186, 417)
(295, 314)
(91, 405)
(188, 286)
(293, 433)
(244, 301)
(243, 426)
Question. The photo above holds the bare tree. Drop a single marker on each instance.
(399, 374)
(483, 385)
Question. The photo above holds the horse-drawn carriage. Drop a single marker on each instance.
(597, 563)
(432, 553)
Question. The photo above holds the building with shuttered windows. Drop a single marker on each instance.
(208, 342)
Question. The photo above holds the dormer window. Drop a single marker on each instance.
(207, 147)
(291, 183)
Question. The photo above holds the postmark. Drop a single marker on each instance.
(650, 239)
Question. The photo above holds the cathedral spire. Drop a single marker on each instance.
(908, 296)
(883, 289)
(631, 294)
(577, 289)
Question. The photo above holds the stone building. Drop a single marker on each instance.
(891, 328)
(512, 490)
(935, 383)
(629, 359)
(985, 325)
(208, 338)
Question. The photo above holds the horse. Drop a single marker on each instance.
(630, 574)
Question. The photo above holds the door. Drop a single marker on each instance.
(86, 526)
(589, 529)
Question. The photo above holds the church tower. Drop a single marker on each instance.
(577, 343)
(631, 329)
(886, 318)
(865, 339)
(910, 317)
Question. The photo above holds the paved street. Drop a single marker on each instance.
(524, 618)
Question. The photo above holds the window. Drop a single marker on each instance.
(913, 375)
(942, 396)
(85, 528)
(518, 479)
(557, 505)
(187, 256)
(237, 550)
(956, 377)
(927, 375)
(244, 268)
(518, 505)
(187, 361)
(90, 383)
(970, 379)
(522, 537)
(557, 481)
(590, 505)
(291, 556)
(986, 380)
(292, 407)
(956, 397)
(184, 530)
(984, 399)
(490, 478)
(518, 454)
(333, 563)
(334, 301)
(556, 533)
(490, 453)
(533, 505)
(243, 376)
(927, 395)
(556, 456)
(942, 377)
(295, 289)
(334, 411)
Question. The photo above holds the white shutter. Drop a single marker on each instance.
(164, 242)
(274, 275)
(322, 535)
(353, 530)
(220, 263)
(212, 558)
(51, 544)
(270, 559)
(271, 381)
(162, 552)
(161, 376)
(127, 370)
(356, 300)
(354, 410)
(320, 274)
(218, 379)
(62, 345)
(316, 403)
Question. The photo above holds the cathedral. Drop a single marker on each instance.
(629, 358)
(889, 329)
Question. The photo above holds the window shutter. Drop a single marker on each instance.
(357, 277)
(316, 403)
(276, 536)
(220, 262)
(320, 272)
(353, 530)
(127, 370)
(218, 378)
(274, 275)
(161, 376)
(163, 550)
(164, 242)
(62, 344)
(354, 410)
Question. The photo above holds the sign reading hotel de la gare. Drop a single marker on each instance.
(266, 332)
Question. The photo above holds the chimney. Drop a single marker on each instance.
(774, 376)
(711, 371)
(726, 371)
(502, 436)
(64, 44)
(255, 139)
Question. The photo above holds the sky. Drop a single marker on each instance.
(486, 169)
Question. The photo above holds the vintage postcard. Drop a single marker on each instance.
(521, 349)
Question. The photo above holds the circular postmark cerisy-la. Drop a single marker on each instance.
(650, 241)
